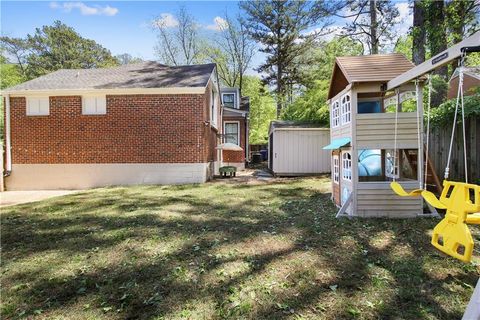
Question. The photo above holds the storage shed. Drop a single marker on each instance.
(295, 148)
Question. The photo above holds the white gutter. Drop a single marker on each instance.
(8, 147)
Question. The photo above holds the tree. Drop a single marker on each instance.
(437, 42)
(11, 73)
(404, 46)
(262, 109)
(370, 22)
(232, 51)
(178, 39)
(61, 47)
(311, 104)
(280, 27)
(126, 58)
(418, 32)
(462, 19)
(16, 48)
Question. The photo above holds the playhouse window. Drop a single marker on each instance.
(346, 109)
(336, 169)
(369, 107)
(347, 166)
(369, 164)
(335, 114)
(392, 163)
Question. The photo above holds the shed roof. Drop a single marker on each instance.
(371, 68)
(294, 124)
(142, 75)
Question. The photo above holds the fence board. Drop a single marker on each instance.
(439, 144)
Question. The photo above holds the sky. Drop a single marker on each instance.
(124, 26)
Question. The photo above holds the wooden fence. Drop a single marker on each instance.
(440, 142)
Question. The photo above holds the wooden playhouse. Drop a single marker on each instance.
(365, 130)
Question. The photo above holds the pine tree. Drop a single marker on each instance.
(279, 26)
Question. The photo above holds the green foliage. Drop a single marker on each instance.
(311, 106)
(404, 46)
(280, 27)
(324, 54)
(10, 74)
(262, 108)
(444, 114)
(61, 47)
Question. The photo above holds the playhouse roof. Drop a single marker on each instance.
(371, 68)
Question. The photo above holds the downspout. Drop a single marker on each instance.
(8, 147)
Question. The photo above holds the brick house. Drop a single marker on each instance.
(143, 123)
(235, 126)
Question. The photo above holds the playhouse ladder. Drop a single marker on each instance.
(432, 177)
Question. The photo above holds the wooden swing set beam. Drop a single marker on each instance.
(470, 44)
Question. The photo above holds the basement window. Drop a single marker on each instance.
(94, 105)
(38, 106)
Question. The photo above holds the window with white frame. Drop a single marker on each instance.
(346, 109)
(335, 114)
(94, 105)
(392, 163)
(38, 106)
(336, 169)
(232, 132)
(228, 100)
(213, 108)
(347, 166)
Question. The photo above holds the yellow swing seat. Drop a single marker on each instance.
(452, 235)
(398, 189)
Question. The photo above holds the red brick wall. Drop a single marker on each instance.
(136, 129)
(236, 156)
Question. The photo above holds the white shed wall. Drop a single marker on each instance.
(298, 151)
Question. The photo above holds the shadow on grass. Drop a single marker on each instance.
(154, 251)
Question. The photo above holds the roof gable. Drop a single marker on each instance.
(371, 68)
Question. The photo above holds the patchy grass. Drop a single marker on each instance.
(221, 250)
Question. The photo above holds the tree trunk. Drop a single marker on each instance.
(418, 47)
(279, 90)
(438, 42)
(373, 27)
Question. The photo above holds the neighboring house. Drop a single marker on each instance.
(471, 80)
(143, 123)
(235, 126)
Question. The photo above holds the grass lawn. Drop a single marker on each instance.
(221, 250)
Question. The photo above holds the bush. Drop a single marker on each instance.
(444, 114)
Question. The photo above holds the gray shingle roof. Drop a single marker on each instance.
(294, 124)
(132, 76)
